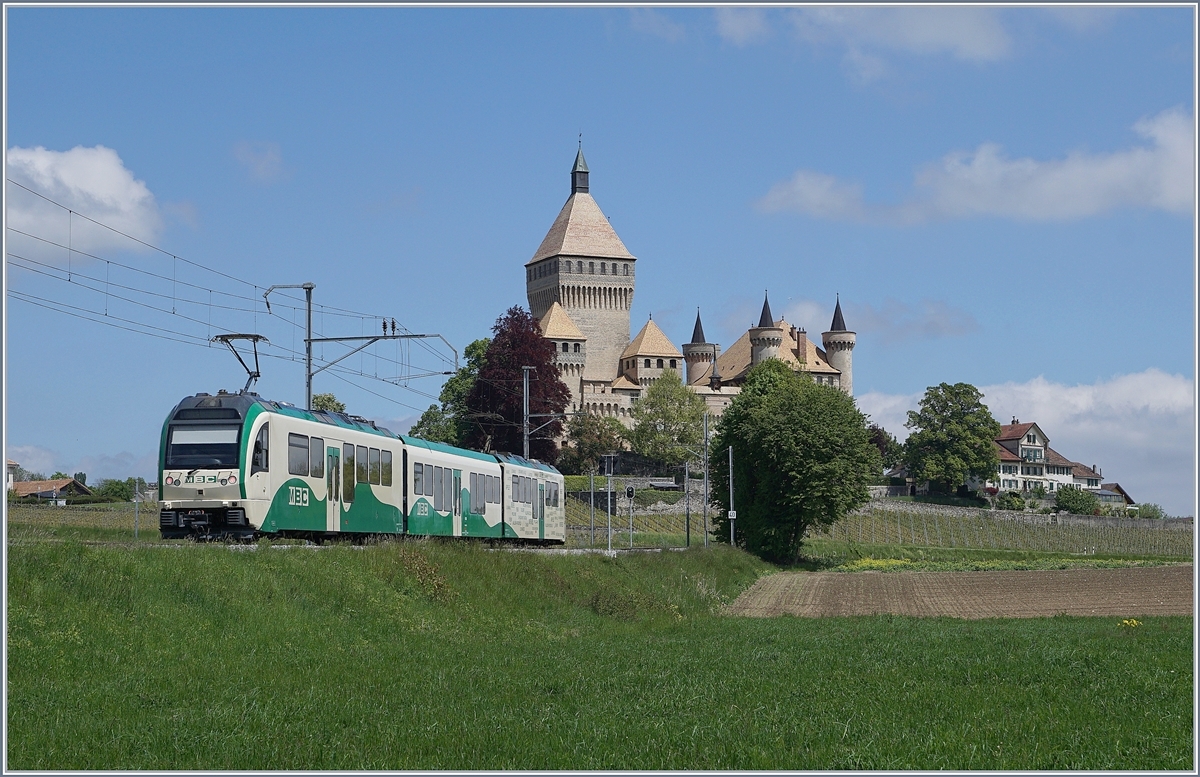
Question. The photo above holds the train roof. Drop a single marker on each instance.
(442, 447)
(512, 458)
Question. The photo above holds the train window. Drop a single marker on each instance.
(496, 489)
(554, 491)
(418, 484)
(260, 460)
(428, 480)
(316, 457)
(547, 492)
(298, 454)
(472, 489)
(385, 468)
(360, 457)
(373, 468)
(516, 494)
(438, 485)
(347, 473)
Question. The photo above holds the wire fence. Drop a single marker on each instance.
(673, 527)
(118, 518)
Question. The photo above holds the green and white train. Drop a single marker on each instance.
(240, 466)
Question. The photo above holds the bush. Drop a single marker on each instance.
(1010, 501)
(1076, 501)
(1151, 510)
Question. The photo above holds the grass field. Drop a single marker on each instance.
(447, 655)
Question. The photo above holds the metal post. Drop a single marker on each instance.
(631, 522)
(592, 501)
(608, 502)
(525, 404)
(705, 478)
(308, 373)
(731, 521)
(687, 507)
(136, 503)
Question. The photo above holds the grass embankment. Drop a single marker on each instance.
(432, 655)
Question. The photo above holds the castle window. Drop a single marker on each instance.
(592, 268)
(660, 364)
(602, 268)
(626, 269)
(565, 346)
(568, 267)
(647, 364)
(576, 347)
(672, 364)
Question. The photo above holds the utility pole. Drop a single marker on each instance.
(525, 406)
(308, 371)
(705, 478)
(687, 507)
(732, 512)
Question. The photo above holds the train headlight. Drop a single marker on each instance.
(224, 481)
(233, 478)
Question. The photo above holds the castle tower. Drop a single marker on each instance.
(570, 347)
(583, 265)
(765, 338)
(839, 349)
(699, 353)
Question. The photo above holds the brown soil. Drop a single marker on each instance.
(1125, 592)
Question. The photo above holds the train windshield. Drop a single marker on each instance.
(206, 446)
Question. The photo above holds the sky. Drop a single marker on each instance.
(999, 196)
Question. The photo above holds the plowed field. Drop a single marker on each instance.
(1125, 592)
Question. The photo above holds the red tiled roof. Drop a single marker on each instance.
(1005, 453)
(1056, 458)
(1014, 431)
(1083, 471)
(30, 487)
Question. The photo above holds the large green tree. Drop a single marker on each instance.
(589, 436)
(953, 437)
(668, 421)
(802, 457)
(494, 403)
(451, 421)
(1076, 501)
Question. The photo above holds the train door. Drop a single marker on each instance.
(458, 521)
(258, 485)
(541, 510)
(333, 482)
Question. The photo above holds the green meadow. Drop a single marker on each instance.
(450, 655)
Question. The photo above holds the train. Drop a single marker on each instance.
(237, 466)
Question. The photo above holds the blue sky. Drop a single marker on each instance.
(1001, 196)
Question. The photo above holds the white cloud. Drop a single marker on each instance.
(816, 194)
(264, 161)
(1139, 428)
(812, 316)
(986, 183)
(898, 322)
(967, 33)
(93, 182)
(650, 22)
(34, 458)
(742, 25)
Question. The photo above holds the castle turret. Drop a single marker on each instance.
(698, 353)
(583, 265)
(839, 349)
(765, 338)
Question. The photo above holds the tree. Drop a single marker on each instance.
(121, 490)
(1076, 501)
(1151, 510)
(328, 402)
(668, 421)
(802, 457)
(59, 475)
(494, 403)
(451, 422)
(81, 477)
(953, 439)
(891, 452)
(589, 437)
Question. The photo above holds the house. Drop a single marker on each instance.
(11, 475)
(1027, 462)
(55, 491)
(1116, 489)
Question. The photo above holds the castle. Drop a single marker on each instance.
(580, 285)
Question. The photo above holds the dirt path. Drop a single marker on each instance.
(1125, 592)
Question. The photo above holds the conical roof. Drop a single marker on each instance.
(765, 320)
(838, 325)
(557, 324)
(651, 341)
(580, 164)
(581, 229)
(698, 330)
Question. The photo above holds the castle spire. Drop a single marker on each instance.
(579, 173)
(765, 320)
(839, 324)
(698, 331)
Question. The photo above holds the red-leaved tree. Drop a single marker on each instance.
(495, 402)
